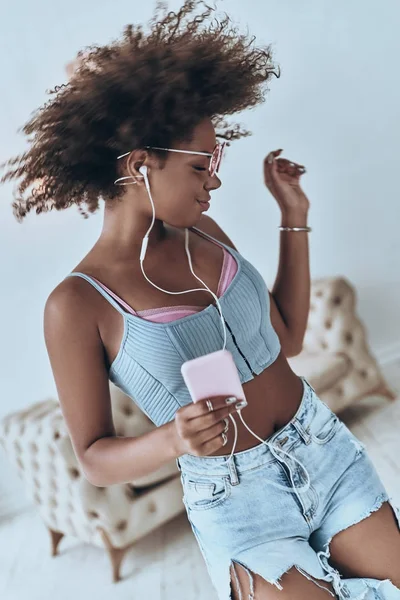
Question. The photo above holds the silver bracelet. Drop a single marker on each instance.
(295, 228)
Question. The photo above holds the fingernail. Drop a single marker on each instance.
(230, 400)
(240, 405)
(226, 425)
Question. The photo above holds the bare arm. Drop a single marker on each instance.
(77, 360)
(292, 287)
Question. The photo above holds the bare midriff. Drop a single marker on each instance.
(273, 398)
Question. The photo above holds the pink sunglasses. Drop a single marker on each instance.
(215, 156)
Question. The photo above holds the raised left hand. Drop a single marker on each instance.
(282, 178)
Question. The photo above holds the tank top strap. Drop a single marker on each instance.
(107, 294)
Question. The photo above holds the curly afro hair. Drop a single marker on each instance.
(141, 90)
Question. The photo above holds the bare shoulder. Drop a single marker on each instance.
(210, 226)
(68, 298)
(69, 311)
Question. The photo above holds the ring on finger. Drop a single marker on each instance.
(224, 439)
(209, 405)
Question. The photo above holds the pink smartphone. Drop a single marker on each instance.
(213, 374)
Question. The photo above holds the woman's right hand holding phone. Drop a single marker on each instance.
(200, 428)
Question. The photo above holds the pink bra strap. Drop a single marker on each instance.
(229, 269)
(117, 298)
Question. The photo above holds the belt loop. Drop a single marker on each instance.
(233, 474)
(305, 435)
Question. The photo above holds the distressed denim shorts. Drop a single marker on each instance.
(277, 505)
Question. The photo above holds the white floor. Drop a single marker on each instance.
(166, 565)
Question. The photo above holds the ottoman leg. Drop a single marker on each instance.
(56, 537)
(116, 554)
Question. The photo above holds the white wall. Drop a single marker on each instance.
(335, 109)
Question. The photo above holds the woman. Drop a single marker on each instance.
(295, 509)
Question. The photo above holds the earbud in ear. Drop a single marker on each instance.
(143, 170)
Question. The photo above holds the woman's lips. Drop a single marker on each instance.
(204, 205)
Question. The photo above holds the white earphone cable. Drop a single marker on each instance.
(142, 257)
(143, 254)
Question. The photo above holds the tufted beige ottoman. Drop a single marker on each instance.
(114, 517)
(336, 357)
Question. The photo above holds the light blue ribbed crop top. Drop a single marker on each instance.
(148, 364)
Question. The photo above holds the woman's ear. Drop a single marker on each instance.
(134, 165)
